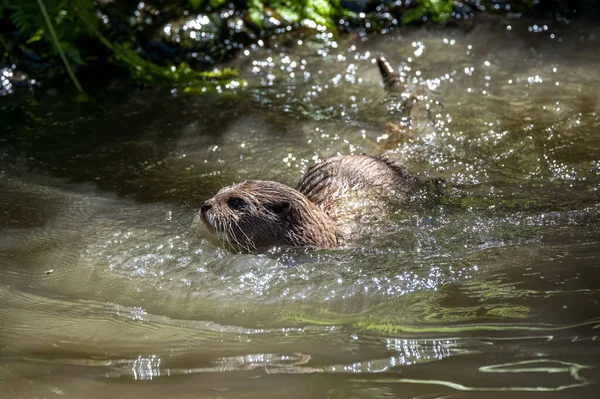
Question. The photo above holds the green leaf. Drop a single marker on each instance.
(39, 35)
(72, 53)
(195, 4)
(217, 3)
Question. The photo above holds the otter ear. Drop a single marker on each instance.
(279, 208)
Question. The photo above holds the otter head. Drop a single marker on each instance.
(256, 214)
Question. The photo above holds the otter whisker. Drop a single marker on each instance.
(228, 236)
(248, 244)
(231, 235)
(248, 240)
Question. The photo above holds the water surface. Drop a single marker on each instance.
(106, 288)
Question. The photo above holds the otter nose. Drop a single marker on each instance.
(205, 208)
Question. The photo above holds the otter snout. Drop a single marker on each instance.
(208, 219)
(205, 208)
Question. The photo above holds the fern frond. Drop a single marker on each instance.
(84, 10)
(58, 46)
(70, 19)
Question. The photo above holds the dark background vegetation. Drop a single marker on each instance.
(181, 42)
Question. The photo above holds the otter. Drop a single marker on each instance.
(257, 214)
(330, 205)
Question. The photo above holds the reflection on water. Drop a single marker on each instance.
(491, 288)
(544, 366)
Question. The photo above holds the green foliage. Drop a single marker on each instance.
(322, 12)
(147, 72)
(196, 4)
(217, 3)
(439, 10)
(326, 12)
(70, 19)
(57, 45)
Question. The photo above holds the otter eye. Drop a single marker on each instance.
(236, 203)
(279, 207)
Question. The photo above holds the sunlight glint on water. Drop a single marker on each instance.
(107, 281)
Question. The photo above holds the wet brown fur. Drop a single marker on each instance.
(272, 214)
(275, 214)
(332, 180)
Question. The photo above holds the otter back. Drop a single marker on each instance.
(345, 186)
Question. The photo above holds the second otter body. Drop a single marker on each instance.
(256, 214)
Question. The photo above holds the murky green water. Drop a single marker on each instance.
(105, 289)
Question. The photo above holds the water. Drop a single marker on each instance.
(106, 289)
